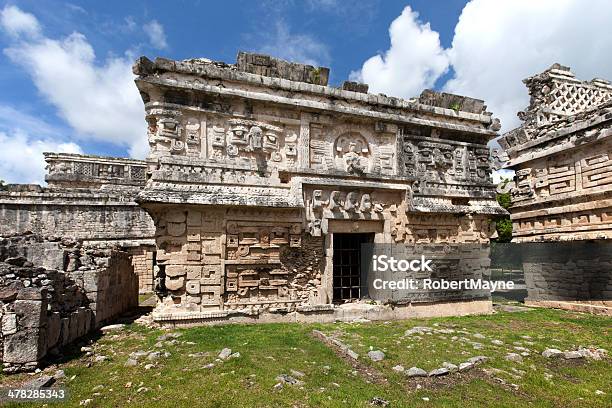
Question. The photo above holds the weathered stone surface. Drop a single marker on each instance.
(439, 372)
(40, 382)
(112, 327)
(451, 367)
(51, 308)
(30, 313)
(23, 347)
(571, 355)
(250, 195)
(376, 355)
(562, 157)
(550, 352)
(514, 357)
(416, 372)
(87, 197)
(225, 353)
(477, 359)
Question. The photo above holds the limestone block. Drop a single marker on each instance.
(23, 347)
(73, 327)
(82, 316)
(9, 293)
(54, 327)
(193, 287)
(193, 271)
(31, 294)
(91, 281)
(174, 271)
(31, 313)
(65, 331)
(175, 283)
(9, 324)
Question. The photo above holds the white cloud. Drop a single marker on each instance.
(499, 43)
(499, 175)
(413, 62)
(301, 48)
(99, 100)
(21, 157)
(15, 22)
(496, 44)
(156, 34)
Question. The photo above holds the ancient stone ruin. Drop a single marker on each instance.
(265, 181)
(562, 156)
(88, 198)
(54, 291)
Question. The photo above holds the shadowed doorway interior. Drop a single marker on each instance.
(347, 265)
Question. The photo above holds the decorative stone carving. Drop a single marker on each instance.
(281, 166)
(192, 130)
(353, 151)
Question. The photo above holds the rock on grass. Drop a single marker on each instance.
(416, 372)
(376, 355)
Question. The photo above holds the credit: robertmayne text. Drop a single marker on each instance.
(442, 284)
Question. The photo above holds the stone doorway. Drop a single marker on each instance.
(347, 265)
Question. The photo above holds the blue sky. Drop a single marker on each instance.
(64, 66)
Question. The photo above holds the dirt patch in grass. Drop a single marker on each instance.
(558, 366)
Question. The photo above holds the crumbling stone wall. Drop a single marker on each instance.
(89, 198)
(562, 191)
(53, 291)
(143, 263)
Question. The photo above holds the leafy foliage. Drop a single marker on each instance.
(503, 225)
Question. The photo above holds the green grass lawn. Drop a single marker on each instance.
(268, 350)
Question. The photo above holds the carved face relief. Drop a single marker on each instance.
(334, 200)
(168, 127)
(366, 204)
(317, 199)
(270, 141)
(239, 135)
(353, 151)
(192, 130)
(350, 203)
(218, 136)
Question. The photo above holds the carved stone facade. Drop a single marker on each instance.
(562, 156)
(89, 198)
(255, 167)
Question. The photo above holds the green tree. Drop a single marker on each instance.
(503, 225)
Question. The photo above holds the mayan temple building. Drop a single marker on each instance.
(263, 182)
(562, 193)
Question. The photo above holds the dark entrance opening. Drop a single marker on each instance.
(347, 265)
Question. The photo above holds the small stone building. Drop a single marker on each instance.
(562, 156)
(265, 181)
(89, 198)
